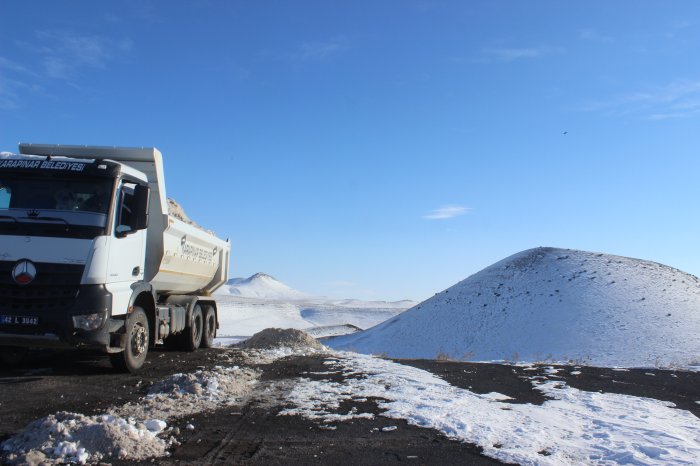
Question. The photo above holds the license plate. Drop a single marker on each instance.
(19, 320)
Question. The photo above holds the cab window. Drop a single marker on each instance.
(127, 210)
(5, 195)
(132, 210)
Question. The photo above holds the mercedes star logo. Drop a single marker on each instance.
(24, 272)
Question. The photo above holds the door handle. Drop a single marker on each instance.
(136, 271)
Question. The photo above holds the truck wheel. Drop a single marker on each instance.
(136, 345)
(209, 327)
(192, 335)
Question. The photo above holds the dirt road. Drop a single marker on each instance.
(254, 434)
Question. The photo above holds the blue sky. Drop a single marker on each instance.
(383, 149)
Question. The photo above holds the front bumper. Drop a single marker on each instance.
(100, 338)
(55, 328)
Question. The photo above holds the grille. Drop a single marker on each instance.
(53, 290)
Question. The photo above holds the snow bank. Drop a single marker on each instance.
(575, 427)
(272, 338)
(133, 431)
(184, 394)
(272, 344)
(68, 437)
(552, 304)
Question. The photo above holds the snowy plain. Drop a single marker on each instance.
(249, 305)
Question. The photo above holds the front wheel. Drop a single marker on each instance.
(136, 345)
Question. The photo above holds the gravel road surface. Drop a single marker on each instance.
(254, 434)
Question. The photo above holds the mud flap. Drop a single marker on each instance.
(117, 336)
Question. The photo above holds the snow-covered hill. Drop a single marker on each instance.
(552, 304)
(260, 285)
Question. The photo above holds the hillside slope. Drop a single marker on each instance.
(552, 304)
(260, 285)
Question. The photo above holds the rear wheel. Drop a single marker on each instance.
(191, 337)
(136, 345)
(209, 327)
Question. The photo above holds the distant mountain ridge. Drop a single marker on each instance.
(265, 286)
(252, 278)
(552, 304)
(260, 285)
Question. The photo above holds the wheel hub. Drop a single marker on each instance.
(139, 340)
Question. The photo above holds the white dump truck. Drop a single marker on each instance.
(91, 257)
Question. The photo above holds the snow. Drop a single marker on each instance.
(249, 305)
(272, 338)
(267, 288)
(359, 304)
(155, 425)
(184, 394)
(71, 437)
(270, 345)
(572, 427)
(550, 304)
(260, 285)
(133, 431)
(239, 317)
(332, 330)
(575, 427)
(541, 304)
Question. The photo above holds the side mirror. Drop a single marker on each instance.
(141, 195)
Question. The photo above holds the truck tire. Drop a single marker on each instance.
(191, 337)
(136, 344)
(209, 327)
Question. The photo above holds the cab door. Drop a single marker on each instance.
(128, 244)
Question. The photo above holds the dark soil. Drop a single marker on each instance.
(83, 382)
(255, 434)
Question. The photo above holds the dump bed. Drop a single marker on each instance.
(180, 258)
(192, 260)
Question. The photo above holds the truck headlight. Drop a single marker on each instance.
(89, 321)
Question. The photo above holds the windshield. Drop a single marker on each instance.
(47, 206)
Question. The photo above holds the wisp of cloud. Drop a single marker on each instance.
(445, 212)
